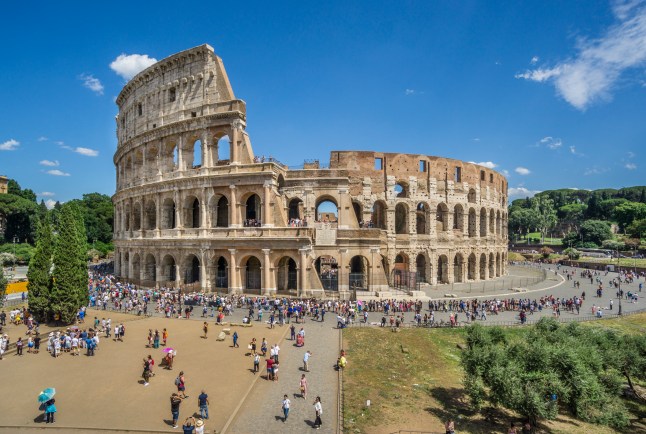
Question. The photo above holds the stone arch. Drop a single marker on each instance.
(169, 154)
(471, 268)
(422, 218)
(327, 269)
(401, 218)
(252, 276)
(150, 215)
(472, 222)
(222, 273)
(168, 214)
(358, 212)
(483, 222)
(295, 209)
(222, 150)
(152, 155)
(253, 210)
(286, 274)
(458, 218)
(126, 215)
(169, 269)
(471, 196)
(442, 269)
(358, 276)
(458, 268)
(150, 268)
(138, 164)
(194, 154)
(498, 264)
(442, 217)
(191, 212)
(483, 266)
(326, 209)
(130, 174)
(136, 216)
(379, 214)
(492, 222)
(280, 182)
(420, 265)
(192, 269)
(401, 189)
(125, 269)
(135, 271)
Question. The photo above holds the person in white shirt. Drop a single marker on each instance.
(276, 351)
(318, 409)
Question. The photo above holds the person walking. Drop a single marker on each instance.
(256, 363)
(318, 410)
(203, 402)
(146, 373)
(175, 401)
(235, 340)
(303, 386)
(180, 382)
(285, 406)
(205, 329)
(306, 361)
(165, 336)
(50, 410)
(449, 426)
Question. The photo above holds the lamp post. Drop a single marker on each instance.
(619, 277)
(15, 238)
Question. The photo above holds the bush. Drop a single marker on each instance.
(587, 245)
(572, 253)
(546, 251)
(23, 251)
(7, 259)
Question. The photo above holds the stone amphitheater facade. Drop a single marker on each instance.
(195, 208)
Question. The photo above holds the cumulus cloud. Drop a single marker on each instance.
(551, 142)
(47, 194)
(521, 193)
(9, 145)
(505, 172)
(50, 163)
(598, 64)
(534, 60)
(487, 164)
(86, 151)
(129, 65)
(57, 172)
(49, 203)
(522, 171)
(630, 166)
(92, 83)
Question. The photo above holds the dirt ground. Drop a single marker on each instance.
(106, 391)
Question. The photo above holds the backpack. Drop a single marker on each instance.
(177, 381)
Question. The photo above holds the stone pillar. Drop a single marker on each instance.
(144, 166)
(159, 271)
(234, 278)
(160, 213)
(142, 215)
(267, 215)
(178, 210)
(203, 209)
(344, 285)
(160, 152)
(233, 208)
(131, 218)
(178, 277)
(303, 286)
(233, 144)
(267, 288)
(117, 262)
(205, 150)
(130, 274)
(343, 218)
(204, 283)
(180, 153)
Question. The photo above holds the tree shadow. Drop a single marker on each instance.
(453, 403)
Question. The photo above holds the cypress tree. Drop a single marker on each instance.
(69, 278)
(38, 274)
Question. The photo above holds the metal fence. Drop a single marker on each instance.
(493, 285)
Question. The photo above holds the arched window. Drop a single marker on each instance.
(168, 214)
(326, 210)
(401, 219)
(472, 222)
(458, 218)
(442, 218)
(253, 215)
(379, 215)
(401, 190)
(471, 197)
(483, 222)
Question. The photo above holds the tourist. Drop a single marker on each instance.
(270, 368)
(263, 347)
(205, 329)
(285, 406)
(274, 371)
(146, 373)
(156, 339)
(164, 336)
(199, 426)
(19, 345)
(252, 347)
(318, 410)
(189, 425)
(180, 382)
(175, 401)
(151, 365)
(306, 361)
(150, 338)
(50, 410)
(512, 429)
(36, 344)
(30, 344)
(292, 332)
(235, 340)
(449, 426)
(256, 363)
(303, 386)
(203, 402)
(276, 352)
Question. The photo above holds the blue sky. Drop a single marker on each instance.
(551, 93)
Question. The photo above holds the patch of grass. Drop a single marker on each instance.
(631, 324)
(623, 262)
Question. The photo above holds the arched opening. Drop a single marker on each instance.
(130, 174)
(328, 271)
(483, 266)
(126, 215)
(192, 212)
(150, 268)
(401, 189)
(220, 213)
(379, 215)
(137, 217)
(169, 269)
(483, 222)
(138, 165)
(421, 216)
(401, 219)
(191, 269)
(492, 266)
(135, 272)
(175, 156)
(222, 273)
(471, 197)
(196, 155)
(497, 264)
(286, 275)
(458, 266)
(295, 209)
(498, 224)
(442, 217)
(471, 269)
(458, 218)
(125, 271)
(150, 215)
(358, 278)
(252, 211)
(222, 150)
(472, 222)
(492, 222)
(402, 276)
(327, 210)
(420, 263)
(358, 213)
(252, 273)
(280, 183)
(442, 269)
(168, 214)
(152, 154)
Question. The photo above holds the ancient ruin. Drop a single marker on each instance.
(196, 208)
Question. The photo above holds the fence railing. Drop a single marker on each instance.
(492, 285)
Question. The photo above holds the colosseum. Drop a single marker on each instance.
(195, 208)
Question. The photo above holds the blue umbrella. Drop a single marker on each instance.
(46, 394)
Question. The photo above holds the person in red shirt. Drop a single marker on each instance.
(270, 369)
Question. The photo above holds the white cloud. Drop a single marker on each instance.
(630, 166)
(573, 150)
(42, 139)
(50, 163)
(129, 65)
(520, 193)
(47, 194)
(86, 151)
(551, 142)
(476, 139)
(49, 203)
(599, 63)
(505, 172)
(595, 170)
(522, 171)
(9, 145)
(92, 83)
(57, 172)
(409, 92)
(487, 164)
(631, 154)
(534, 60)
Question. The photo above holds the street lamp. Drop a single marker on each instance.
(15, 238)
(619, 277)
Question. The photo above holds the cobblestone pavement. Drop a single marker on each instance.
(261, 411)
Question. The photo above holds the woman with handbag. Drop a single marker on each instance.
(318, 409)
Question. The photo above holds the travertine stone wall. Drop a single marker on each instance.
(195, 208)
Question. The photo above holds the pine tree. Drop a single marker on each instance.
(69, 288)
(38, 274)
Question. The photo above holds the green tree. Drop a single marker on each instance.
(543, 208)
(637, 229)
(69, 277)
(572, 214)
(98, 215)
(38, 274)
(21, 215)
(595, 231)
(522, 220)
(3, 286)
(628, 212)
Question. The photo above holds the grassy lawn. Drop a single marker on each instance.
(623, 262)
(413, 381)
(548, 240)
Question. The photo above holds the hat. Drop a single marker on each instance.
(199, 422)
